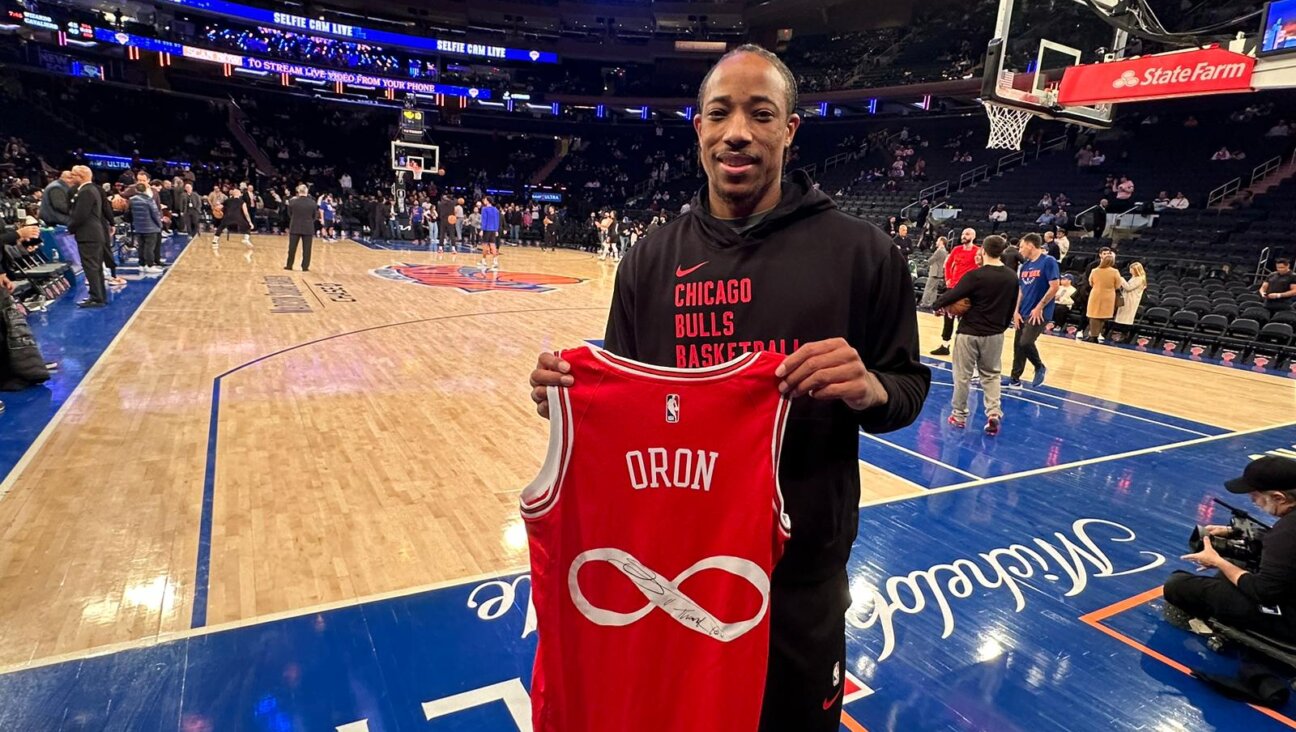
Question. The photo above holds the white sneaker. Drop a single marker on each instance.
(215, 241)
(247, 242)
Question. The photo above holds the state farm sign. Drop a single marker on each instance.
(1206, 71)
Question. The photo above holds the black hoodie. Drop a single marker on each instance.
(696, 293)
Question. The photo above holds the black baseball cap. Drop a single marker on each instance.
(1269, 473)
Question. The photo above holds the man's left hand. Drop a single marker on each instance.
(831, 369)
(1206, 558)
(1036, 316)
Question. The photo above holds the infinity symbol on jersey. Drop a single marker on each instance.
(665, 594)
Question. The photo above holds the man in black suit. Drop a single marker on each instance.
(87, 225)
(188, 211)
(303, 212)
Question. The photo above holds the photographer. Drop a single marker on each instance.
(1263, 601)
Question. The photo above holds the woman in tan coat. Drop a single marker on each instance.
(1103, 283)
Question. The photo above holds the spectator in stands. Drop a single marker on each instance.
(935, 273)
(1046, 220)
(1279, 289)
(1084, 157)
(1190, 122)
(1100, 219)
(1179, 202)
(146, 226)
(1131, 292)
(1161, 202)
(1124, 189)
(1239, 154)
(87, 226)
(1063, 244)
(998, 215)
(1104, 280)
(1045, 202)
(1098, 160)
(1064, 301)
(1222, 154)
(1280, 129)
(903, 242)
(55, 204)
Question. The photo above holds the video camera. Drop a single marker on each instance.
(1242, 545)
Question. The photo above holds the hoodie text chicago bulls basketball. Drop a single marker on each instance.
(696, 292)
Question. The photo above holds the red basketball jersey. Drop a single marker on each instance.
(654, 526)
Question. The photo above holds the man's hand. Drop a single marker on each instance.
(6, 283)
(1206, 558)
(1017, 319)
(28, 232)
(830, 369)
(1219, 530)
(549, 371)
(1037, 315)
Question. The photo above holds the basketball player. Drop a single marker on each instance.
(773, 263)
(490, 224)
(992, 288)
(1039, 277)
(961, 260)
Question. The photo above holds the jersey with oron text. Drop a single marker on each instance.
(654, 527)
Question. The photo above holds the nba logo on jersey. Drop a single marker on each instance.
(672, 408)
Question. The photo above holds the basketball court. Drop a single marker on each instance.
(313, 514)
(260, 499)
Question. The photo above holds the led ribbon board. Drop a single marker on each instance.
(356, 33)
(280, 67)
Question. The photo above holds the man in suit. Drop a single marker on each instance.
(188, 213)
(146, 223)
(303, 212)
(87, 226)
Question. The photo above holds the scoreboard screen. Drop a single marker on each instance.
(411, 124)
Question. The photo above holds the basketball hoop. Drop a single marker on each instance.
(1007, 125)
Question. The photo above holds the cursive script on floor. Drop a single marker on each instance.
(1067, 560)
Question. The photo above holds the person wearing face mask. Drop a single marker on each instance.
(1263, 601)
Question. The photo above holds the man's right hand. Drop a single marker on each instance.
(1017, 319)
(549, 371)
(28, 232)
(1219, 530)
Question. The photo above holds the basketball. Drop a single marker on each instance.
(959, 308)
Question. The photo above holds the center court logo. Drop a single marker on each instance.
(471, 279)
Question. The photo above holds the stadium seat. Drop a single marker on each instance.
(1229, 310)
(1201, 307)
(1207, 338)
(1172, 303)
(1284, 316)
(1273, 346)
(1148, 329)
(1238, 339)
(1260, 315)
(1182, 325)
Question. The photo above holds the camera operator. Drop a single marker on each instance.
(1263, 601)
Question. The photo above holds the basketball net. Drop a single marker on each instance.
(1007, 125)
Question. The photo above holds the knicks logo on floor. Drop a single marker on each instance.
(471, 279)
